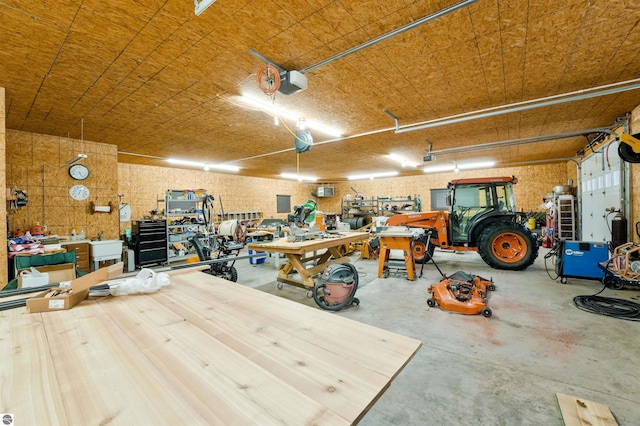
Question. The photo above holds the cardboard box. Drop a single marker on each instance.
(57, 273)
(79, 291)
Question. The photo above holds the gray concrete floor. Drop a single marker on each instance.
(503, 370)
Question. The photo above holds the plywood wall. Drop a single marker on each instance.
(4, 274)
(143, 188)
(634, 178)
(35, 164)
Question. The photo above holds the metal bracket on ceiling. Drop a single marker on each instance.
(282, 70)
(397, 121)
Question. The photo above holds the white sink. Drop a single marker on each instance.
(106, 248)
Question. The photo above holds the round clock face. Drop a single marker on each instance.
(79, 171)
(79, 192)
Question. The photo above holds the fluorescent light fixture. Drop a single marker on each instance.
(478, 165)
(402, 161)
(454, 167)
(186, 163)
(201, 6)
(206, 167)
(225, 167)
(280, 113)
(439, 168)
(372, 175)
(299, 178)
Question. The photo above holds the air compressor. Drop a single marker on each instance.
(337, 288)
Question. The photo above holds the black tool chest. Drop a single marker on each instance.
(150, 241)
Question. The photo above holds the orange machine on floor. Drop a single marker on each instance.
(462, 293)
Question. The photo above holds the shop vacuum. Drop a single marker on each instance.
(337, 287)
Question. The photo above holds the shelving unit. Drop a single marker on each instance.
(249, 215)
(359, 207)
(361, 211)
(376, 206)
(183, 210)
(387, 206)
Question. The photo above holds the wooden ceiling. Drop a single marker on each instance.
(160, 82)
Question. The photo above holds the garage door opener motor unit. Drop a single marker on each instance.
(580, 259)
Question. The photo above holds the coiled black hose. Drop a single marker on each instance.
(609, 306)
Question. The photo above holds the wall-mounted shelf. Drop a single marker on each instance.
(249, 215)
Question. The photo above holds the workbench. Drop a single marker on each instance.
(298, 255)
(202, 350)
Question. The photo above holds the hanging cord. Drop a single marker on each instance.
(553, 254)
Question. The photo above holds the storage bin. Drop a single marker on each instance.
(258, 259)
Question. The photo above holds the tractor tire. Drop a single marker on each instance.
(507, 245)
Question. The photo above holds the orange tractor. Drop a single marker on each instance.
(482, 218)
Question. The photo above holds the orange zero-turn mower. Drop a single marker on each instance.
(462, 293)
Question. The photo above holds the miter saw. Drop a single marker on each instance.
(303, 215)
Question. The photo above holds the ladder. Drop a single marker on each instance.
(565, 217)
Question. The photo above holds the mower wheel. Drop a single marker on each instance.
(491, 287)
(431, 303)
(355, 301)
(310, 293)
(279, 285)
(563, 280)
(486, 312)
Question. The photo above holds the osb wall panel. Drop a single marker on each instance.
(35, 164)
(143, 188)
(534, 183)
(634, 178)
(3, 206)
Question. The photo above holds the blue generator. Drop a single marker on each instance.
(580, 259)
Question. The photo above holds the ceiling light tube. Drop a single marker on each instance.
(280, 113)
(298, 177)
(225, 167)
(372, 175)
(478, 165)
(186, 163)
(439, 168)
(201, 6)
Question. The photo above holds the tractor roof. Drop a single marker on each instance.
(502, 179)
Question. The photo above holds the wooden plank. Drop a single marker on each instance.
(199, 351)
(580, 412)
(32, 398)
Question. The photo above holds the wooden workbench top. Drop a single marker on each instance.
(199, 351)
(281, 245)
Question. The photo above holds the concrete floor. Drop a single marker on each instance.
(503, 370)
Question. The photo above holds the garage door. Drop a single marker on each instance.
(602, 184)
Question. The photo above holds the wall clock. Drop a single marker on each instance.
(79, 192)
(79, 171)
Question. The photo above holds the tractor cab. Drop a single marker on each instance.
(473, 200)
